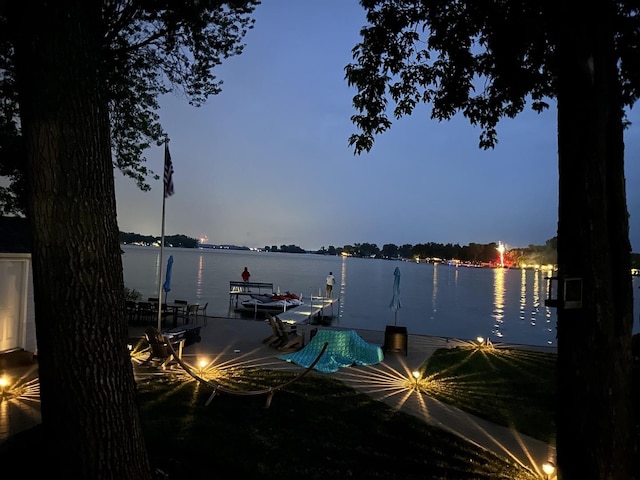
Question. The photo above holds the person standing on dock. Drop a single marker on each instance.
(330, 283)
(246, 276)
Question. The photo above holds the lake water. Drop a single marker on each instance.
(505, 305)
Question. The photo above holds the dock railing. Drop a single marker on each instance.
(259, 287)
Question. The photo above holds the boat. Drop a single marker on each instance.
(271, 302)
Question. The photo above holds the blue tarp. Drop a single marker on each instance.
(345, 348)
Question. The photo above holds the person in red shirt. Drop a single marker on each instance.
(245, 274)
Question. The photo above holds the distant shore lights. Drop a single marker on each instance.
(501, 250)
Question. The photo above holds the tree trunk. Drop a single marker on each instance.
(594, 417)
(90, 422)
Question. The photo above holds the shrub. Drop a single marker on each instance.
(131, 294)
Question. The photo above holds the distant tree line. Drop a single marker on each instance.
(474, 253)
(181, 241)
(285, 249)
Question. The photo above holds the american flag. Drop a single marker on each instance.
(168, 172)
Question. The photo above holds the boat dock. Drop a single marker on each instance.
(239, 289)
(313, 310)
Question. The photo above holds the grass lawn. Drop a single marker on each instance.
(511, 387)
(319, 428)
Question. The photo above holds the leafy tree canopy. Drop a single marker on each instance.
(486, 60)
(151, 48)
(483, 58)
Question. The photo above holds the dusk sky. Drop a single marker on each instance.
(267, 161)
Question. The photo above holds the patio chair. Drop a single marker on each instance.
(159, 351)
(276, 335)
(190, 313)
(202, 310)
(146, 314)
(291, 340)
(132, 311)
(182, 311)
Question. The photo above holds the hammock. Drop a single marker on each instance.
(219, 388)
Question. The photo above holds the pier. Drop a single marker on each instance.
(239, 289)
(315, 309)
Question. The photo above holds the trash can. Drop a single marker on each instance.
(395, 339)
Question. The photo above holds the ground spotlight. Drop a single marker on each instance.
(484, 342)
(416, 375)
(4, 382)
(202, 363)
(549, 469)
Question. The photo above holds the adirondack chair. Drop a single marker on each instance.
(289, 338)
(159, 351)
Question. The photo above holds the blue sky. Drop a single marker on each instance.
(267, 161)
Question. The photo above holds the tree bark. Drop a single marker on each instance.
(594, 416)
(90, 421)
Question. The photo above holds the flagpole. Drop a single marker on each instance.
(164, 197)
(160, 269)
(167, 190)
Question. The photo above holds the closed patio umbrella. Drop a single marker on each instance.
(166, 286)
(395, 304)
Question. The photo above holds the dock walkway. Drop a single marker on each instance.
(313, 310)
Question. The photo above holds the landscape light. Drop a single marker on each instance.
(4, 381)
(416, 375)
(549, 469)
(202, 363)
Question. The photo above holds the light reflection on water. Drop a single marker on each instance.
(498, 300)
(434, 294)
(505, 304)
(199, 289)
(523, 294)
(343, 285)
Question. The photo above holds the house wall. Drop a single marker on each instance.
(17, 311)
